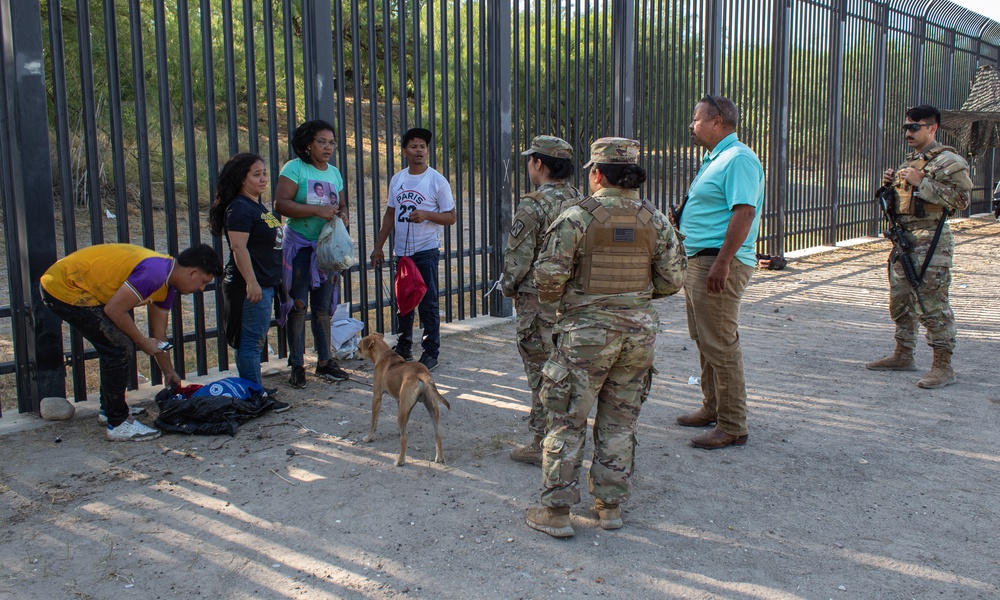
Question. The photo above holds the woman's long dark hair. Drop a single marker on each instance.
(627, 176)
(304, 135)
(559, 168)
(228, 186)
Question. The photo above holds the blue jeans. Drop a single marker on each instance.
(430, 317)
(302, 295)
(253, 335)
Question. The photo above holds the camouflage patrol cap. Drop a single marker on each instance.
(550, 145)
(613, 151)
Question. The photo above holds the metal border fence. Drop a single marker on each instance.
(117, 114)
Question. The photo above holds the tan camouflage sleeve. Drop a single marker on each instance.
(520, 253)
(948, 183)
(554, 266)
(670, 262)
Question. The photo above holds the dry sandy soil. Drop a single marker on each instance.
(854, 484)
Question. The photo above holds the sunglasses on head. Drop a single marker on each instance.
(712, 101)
(914, 127)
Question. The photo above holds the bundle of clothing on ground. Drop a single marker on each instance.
(214, 408)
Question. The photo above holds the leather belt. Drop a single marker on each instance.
(707, 252)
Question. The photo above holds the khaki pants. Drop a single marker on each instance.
(712, 324)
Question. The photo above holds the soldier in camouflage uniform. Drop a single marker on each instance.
(602, 263)
(931, 182)
(550, 164)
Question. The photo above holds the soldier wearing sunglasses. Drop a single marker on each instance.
(931, 182)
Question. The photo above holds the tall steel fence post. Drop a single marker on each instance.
(878, 85)
(500, 144)
(713, 47)
(28, 199)
(917, 53)
(623, 63)
(949, 67)
(777, 159)
(317, 46)
(835, 121)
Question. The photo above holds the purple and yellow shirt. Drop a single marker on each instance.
(91, 276)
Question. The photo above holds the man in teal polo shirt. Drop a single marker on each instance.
(719, 222)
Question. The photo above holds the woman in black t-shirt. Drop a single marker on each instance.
(254, 268)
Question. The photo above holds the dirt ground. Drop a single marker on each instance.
(854, 483)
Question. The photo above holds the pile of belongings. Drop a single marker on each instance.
(211, 409)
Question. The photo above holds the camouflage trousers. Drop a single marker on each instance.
(534, 342)
(937, 318)
(613, 370)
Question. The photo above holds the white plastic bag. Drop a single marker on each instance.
(334, 248)
(344, 332)
(344, 337)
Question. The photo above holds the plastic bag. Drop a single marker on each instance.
(334, 248)
(345, 336)
(344, 332)
(410, 286)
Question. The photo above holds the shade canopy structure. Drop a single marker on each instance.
(976, 126)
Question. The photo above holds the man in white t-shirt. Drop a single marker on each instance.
(420, 204)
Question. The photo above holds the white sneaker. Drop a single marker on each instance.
(133, 410)
(131, 432)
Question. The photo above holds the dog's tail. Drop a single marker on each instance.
(431, 391)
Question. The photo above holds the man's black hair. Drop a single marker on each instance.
(416, 133)
(304, 135)
(924, 112)
(559, 168)
(201, 257)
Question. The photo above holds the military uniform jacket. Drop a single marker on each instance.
(946, 183)
(556, 271)
(535, 213)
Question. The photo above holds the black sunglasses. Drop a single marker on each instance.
(914, 127)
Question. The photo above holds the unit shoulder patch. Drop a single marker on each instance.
(522, 226)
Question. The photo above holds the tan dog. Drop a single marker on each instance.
(408, 382)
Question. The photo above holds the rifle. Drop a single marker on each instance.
(901, 247)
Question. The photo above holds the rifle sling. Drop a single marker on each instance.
(934, 243)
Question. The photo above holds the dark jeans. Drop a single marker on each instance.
(320, 299)
(114, 348)
(430, 317)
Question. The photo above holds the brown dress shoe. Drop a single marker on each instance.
(698, 418)
(718, 439)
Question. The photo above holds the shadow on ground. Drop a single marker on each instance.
(854, 484)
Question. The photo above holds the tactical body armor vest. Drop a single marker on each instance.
(909, 203)
(620, 243)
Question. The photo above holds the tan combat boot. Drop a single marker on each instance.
(530, 454)
(553, 521)
(901, 359)
(941, 373)
(610, 514)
